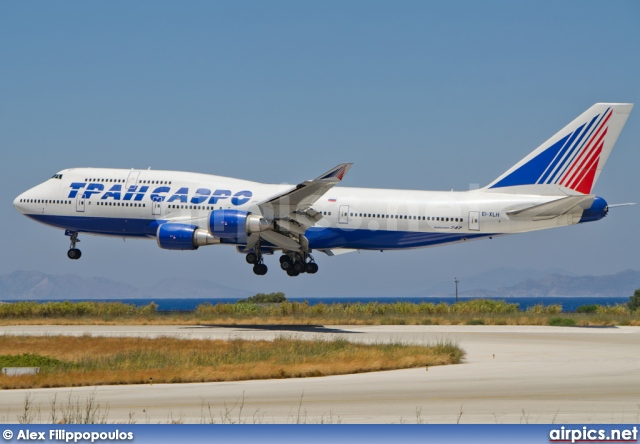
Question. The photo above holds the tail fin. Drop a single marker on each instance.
(575, 156)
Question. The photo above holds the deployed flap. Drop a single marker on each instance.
(553, 209)
(338, 251)
(280, 240)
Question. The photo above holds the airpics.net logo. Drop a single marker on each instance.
(587, 434)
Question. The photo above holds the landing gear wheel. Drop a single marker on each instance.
(298, 266)
(284, 258)
(251, 258)
(260, 269)
(292, 272)
(311, 268)
(73, 252)
(286, 265)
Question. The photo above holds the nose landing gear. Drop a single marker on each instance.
(73, 252)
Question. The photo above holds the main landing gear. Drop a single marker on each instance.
(259, 267)
(73, 252)
(296, 263)
(292, 263)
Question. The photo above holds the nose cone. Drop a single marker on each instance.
(18, 203)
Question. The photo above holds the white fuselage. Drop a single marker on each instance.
(125, 203)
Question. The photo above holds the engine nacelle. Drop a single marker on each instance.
(234, 226)
(173, 236)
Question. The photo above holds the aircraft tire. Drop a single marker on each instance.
(311, 268)
(292, 272)
(260, 269)
(74, 253)
(251, 258)
(299, 266)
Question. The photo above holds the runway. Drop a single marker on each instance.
(511, 374)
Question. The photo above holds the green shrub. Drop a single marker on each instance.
(634, 301)
(592, 308)
(484, 306)
(21, 310)
(545, 309)
(150, 309)
(618, 309)
(262, 298)
(29, 360)
(475, 322)
(562, 322)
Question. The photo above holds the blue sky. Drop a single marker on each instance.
(418, 95)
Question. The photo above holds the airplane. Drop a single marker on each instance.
(551, 187)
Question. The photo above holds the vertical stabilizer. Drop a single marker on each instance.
(575, 156)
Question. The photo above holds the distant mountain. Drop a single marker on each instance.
(33, 285)
(487, 283)
(503, 282)
(38, 285)
(619, 284)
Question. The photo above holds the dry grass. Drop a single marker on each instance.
(478, 311)
(520, 318)
(97, 361)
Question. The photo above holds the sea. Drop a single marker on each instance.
(569, 304)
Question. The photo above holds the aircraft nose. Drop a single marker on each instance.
(18, 203)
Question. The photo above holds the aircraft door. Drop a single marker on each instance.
(474, 220)
(343, 217)
(156, 207)
(80, 202)
(132, 179)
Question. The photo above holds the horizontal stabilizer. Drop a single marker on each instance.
(553, 209)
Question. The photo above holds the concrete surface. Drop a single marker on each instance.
(512, 374)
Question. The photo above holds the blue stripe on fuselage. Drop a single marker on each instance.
(323, 238)
(319, 238)
(106, 226)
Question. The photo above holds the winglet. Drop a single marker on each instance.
(335, 173)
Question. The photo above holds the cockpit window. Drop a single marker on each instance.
(57, 176)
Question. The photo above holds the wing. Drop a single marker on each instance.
(291, 211)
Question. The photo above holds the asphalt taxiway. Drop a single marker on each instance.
(511, 374)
